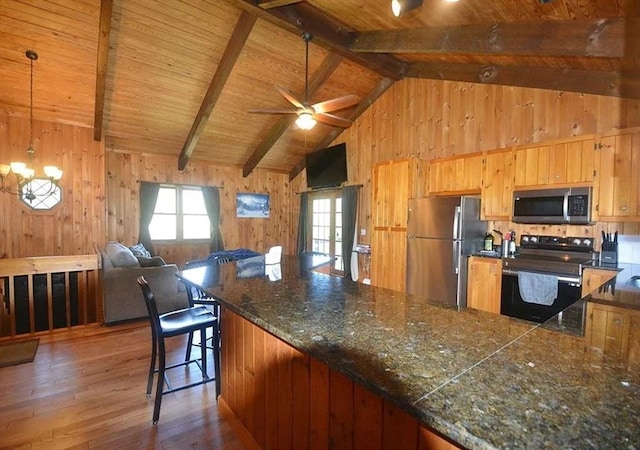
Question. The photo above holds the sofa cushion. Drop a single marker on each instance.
(140, 250)
(120, 255)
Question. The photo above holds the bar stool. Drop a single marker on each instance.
(175, 323)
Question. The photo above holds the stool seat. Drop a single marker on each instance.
(185, 320)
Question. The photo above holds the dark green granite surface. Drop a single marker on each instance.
(484, 380)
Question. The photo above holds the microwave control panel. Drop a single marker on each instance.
(578, 205)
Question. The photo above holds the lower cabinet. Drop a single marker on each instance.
(592, 279)
(484, 284)
(613, 334)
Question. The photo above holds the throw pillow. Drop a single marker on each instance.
(154, 261)
(139, 250)
(120, 255)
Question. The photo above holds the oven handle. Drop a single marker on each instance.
(575, 280)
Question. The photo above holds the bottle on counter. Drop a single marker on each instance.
(505, 245)
(512, 244)
(488, 242)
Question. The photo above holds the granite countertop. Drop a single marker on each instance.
(485, 380)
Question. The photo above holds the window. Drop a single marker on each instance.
(41, 194)
(326, 226)
(180, 215)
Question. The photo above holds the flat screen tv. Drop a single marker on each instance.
(327, 167)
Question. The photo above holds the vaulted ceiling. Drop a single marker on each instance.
(179, 77)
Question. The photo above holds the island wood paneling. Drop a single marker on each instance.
(281, 398)
(126, 170)
(74, 225)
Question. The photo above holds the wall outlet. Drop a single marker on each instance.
(363, 231)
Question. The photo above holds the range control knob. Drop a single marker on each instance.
(576, 241)
(534, 239)
(587, 242)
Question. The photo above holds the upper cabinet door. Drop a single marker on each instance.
(617, 181)
(393, 184)
(497, 185)
(456, 175)
(567, 162)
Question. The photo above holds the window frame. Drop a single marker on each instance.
(180, 240)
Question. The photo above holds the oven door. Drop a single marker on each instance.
(569, 291)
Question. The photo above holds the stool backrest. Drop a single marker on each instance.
(150, 303)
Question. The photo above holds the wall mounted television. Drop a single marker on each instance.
(327, 168)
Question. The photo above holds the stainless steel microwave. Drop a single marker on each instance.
(567, 205)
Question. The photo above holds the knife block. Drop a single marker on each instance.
(609, 256)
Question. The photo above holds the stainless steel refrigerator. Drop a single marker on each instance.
(441, 233)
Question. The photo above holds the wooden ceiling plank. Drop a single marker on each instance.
(106, 9)
(584, 38)
(366, 102)
(241, 32)
(327, 31)
(571, 80)
(327, 67)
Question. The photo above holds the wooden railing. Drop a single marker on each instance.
(28, 303)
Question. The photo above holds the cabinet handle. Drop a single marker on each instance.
(623, 208)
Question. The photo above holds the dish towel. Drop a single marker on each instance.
(538, 288)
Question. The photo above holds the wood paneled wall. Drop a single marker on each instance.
(77, 222)
(124, 171)
(430, 119)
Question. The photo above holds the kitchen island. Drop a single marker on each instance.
(341, 362)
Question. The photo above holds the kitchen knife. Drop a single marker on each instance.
(604, 241)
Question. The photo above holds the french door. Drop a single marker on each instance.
(326, 226)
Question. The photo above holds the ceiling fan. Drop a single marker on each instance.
(309, 114)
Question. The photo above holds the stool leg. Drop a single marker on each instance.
(216, 356)
(203, 352)
(189, 344)
(152, 365)
(160, 384)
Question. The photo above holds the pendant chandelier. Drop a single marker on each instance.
(17, 178)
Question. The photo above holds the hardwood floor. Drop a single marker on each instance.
(86, 390)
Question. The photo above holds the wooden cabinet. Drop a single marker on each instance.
(592, 279)
(456, 175)
(484, 284)
(617, 187)
(570, 162)
(497, 185)
(393, 184)
(389, 259)
(613, 334)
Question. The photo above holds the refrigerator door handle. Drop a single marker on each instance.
(456, 257)
(456, 223)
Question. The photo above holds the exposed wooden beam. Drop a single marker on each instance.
(572, 80)
(583, 38)
(106, 8)
(327, 31)
(328, 66)
(371, 97)
(268, 4)
(236, 43)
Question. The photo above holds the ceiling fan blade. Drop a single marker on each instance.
(330, 119)
(290, 97)
(336, 104)
(273, 111)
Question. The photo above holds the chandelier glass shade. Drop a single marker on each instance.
(17, 177)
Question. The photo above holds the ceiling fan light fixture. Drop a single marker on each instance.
(305, 121)
(399, 7)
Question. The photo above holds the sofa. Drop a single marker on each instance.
(120, 269)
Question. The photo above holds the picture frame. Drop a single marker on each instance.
(249, 205)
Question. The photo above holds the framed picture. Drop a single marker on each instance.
(252, 205)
